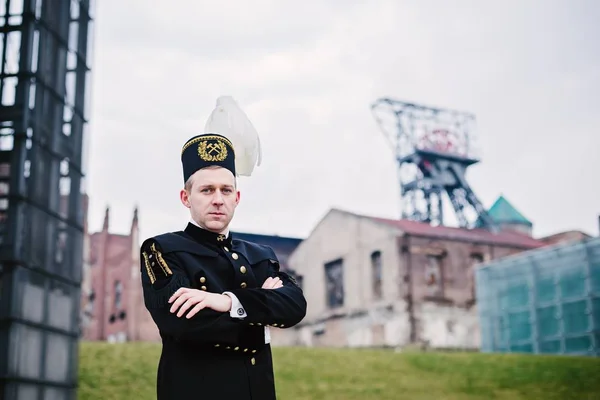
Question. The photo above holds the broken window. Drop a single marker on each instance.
(334, 281)
(118, 293)
(376, 274)
(91, 299)
(433, 276)
(476, 258)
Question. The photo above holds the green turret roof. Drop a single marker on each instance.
(504, 212)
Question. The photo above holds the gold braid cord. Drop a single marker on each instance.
(161, 261)
(149, 268)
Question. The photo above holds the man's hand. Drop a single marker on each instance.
(184, 298)
(272, 283)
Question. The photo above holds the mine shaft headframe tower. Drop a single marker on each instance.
(45, 59)
(433, 149)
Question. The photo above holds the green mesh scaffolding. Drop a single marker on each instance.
(542, 301)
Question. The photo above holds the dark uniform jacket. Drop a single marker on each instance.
(213, 355)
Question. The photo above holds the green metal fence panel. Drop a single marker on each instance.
(544, 301)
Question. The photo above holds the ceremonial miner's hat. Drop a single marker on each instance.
(206, 150)
(228, 131)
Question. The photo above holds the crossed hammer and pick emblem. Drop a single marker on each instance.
(213, 148)
(214, 151)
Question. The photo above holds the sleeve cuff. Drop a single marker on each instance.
(237, 311)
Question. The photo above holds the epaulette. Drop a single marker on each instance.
(163, 282)
(156, 266)
(153, 249)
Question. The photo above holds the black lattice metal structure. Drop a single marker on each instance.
(43, 78)
(433, 148)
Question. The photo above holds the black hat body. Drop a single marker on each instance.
(207, 150)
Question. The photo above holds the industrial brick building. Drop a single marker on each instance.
(378, 282)
(113, 308)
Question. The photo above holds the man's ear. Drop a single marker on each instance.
(184, 197)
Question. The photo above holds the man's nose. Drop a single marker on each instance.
(218, 197)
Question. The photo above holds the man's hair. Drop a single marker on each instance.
(189, 182)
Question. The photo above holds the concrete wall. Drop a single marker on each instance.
(353, 240)
(447, 326)
(363, 319)
(374, 327)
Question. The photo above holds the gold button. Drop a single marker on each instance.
(228, 347)
(281, 326)
(243, 285)
(203, 288)
(243, 269)
(253, 351)
(234, 256)
(236, 349)
(202, 279)
(251, 323)
(217, 345)
(274, 324)
(225, 248)
(253, 361)
(245, 350)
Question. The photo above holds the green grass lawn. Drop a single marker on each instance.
(128, 371)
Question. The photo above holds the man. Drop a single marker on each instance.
(212, 296)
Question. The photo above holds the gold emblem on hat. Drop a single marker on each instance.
(214, 151)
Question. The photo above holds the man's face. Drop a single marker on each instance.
(212, 198)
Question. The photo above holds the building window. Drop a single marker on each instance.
(376, 275)
(91, 299)
(334, 281)
(118, 294)
(476, 258)
(433, 276)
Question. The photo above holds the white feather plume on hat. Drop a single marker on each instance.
(229, 120)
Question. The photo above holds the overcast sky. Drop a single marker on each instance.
(306, 73)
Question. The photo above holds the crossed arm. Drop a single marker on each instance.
(200, 316)
(186, 298)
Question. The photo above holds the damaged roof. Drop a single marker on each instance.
(478, 235)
